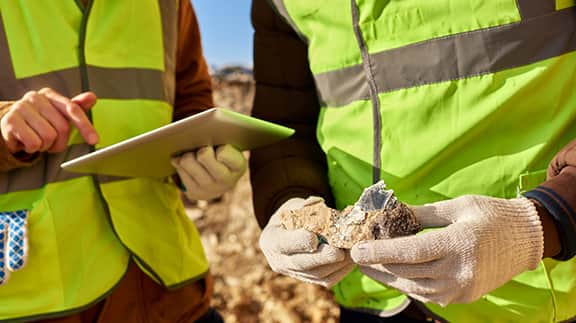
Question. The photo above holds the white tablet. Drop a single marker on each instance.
(149, 154)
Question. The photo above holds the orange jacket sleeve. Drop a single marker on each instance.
(193, 82)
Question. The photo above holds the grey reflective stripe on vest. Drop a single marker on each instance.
(127, 83)
(533, 8)
(107, 83)
(46, 171)
(475, 53)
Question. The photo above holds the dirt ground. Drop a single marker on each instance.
(246, 290)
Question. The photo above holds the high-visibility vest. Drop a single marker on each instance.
(83, 230)
(439, 99)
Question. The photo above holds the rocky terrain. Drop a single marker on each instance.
(246, 290)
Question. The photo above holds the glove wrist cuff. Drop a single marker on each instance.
(523, 228)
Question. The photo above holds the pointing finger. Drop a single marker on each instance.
(75, 113)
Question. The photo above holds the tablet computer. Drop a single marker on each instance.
(149, 154)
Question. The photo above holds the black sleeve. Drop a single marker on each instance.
(285, 94)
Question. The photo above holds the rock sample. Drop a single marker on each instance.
(376, 215)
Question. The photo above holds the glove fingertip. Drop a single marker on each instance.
(359, 253)
(231, 157)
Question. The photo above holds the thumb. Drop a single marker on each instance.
(85, 100)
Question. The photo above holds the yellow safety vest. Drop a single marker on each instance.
(83, 230)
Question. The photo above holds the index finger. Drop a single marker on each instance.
(414, 249)
(74, 113)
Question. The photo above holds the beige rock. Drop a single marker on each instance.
(356, 223)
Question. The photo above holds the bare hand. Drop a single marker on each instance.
(40, 121)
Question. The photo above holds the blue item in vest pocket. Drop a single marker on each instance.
(13, 242)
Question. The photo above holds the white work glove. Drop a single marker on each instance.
(484, 244)
(13, 242)
(299, 253)
(207, 174)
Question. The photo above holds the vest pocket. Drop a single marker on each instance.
(13, 242)
(34, 288)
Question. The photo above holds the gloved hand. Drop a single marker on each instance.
(207, 174)
(485, 243)
(13, 242)
(299, 254)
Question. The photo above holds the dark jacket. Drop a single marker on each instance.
(285, 94)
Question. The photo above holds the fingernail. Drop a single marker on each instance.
(361, 246)
(94, 139)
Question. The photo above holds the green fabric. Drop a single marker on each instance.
(431, 151)
(124, 34)
(530, 180)
(124, 119)
(490, 134)
(563, 4)
(74, 256)
(46, 50)
(350, 164)
(328, 27)
(385, 23)
(359, 291)
(176, 252)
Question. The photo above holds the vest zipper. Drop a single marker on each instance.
(82, 44)
(367, 65)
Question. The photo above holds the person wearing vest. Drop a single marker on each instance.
(76, 76)
(463, 109)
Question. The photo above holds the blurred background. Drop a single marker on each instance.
(246, 290)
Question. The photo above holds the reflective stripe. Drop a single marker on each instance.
(47, 170)
(135, 83)
(126, 83)
(455, 57)
(534, 8)
(6, 69)
(168, 11)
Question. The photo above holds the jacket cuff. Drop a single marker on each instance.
(559, 198)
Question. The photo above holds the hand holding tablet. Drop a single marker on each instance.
(149, 154)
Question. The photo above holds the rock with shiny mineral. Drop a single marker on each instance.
(376, 215)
